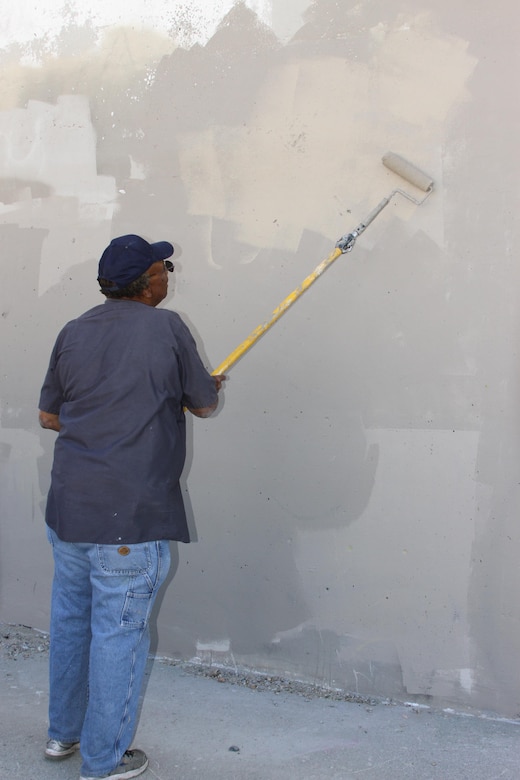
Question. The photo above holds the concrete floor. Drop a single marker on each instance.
(189, 723)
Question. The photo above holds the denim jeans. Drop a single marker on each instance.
(102, 596)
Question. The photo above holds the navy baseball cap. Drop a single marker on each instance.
(127, 258)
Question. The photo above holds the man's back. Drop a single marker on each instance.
(119, 377)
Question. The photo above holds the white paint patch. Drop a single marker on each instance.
(467, 679)
(422, 75)
(55, 145)
(137, 170)
(214, 646)
(292, 633)
(255, 173)
(189, 22)
(215, 651)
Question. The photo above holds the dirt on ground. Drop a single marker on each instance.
(18, 642)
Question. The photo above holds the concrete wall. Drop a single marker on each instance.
(355, 502)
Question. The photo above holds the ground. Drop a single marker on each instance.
(19, 641)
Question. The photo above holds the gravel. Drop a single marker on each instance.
(18, 642)
(273, 684)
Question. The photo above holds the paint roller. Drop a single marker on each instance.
(395, 163)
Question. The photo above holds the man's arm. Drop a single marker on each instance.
(206, 411)
(50, 421)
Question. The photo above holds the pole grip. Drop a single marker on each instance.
(373, 214)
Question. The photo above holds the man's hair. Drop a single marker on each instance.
(131, 290)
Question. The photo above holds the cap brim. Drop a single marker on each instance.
(162, 249)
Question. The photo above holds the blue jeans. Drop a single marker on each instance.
(102, 596)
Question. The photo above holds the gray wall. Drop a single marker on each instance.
(354, 503)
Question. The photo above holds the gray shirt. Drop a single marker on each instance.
(119, 377)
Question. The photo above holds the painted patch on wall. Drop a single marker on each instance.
(319, 125)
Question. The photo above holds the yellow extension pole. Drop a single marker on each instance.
(277, 313)
(393, 162)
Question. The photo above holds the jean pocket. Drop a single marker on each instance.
(136, 610)
(130, 560)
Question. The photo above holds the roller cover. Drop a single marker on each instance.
(407, 171)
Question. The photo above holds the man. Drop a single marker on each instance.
(119, 379)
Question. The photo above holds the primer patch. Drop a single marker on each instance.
(52, 147)
(304, 138)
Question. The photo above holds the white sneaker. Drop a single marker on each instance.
(56, 750)
(133, 763)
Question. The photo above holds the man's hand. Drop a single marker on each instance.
(49, 421)
(219, 378)
(206, 411)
